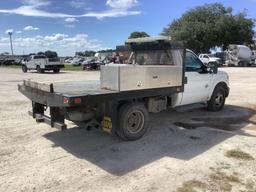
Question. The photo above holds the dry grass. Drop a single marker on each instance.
(223, 181)
(250, 186)
(238, 154)
(191, 186)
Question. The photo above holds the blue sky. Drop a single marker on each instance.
(67, 26)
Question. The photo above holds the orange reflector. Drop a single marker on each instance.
(65, 100)
(78, 100)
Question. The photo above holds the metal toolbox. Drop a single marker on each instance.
(123, 77)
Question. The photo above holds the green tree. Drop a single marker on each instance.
(85, 53)
(51, 54)
(107, 50)
(40, 53)
(211, 25)
(137, 34)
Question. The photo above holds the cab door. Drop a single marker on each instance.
(198, 80)
(29, 63)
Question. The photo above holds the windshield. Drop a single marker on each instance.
(157, 57)
(39, 57)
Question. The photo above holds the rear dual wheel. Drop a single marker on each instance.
(133, 121)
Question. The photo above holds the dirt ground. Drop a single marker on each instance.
(183, 151)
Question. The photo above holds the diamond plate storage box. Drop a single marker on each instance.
(121, 77)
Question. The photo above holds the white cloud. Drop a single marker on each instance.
(77, 3)
(62, 43)
(9, 31)
(18, 32)
(55, 37)
(71, 20)
(121, 4)
(115, 8)
(30, 28)
(37, 3)
(111, 13)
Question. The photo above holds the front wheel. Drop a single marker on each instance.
(24, 68)
(217, 100)
(133, 121)
(56, 70)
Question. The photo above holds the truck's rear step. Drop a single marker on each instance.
(46, 119)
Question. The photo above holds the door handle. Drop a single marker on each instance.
(206, 86)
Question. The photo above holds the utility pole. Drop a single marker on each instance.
(10, 34)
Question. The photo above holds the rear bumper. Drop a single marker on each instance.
(48, 120)
(51, 67)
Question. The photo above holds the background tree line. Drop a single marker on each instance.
(211, 25)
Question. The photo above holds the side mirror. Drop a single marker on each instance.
(214, 69)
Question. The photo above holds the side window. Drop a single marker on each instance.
(192, 63)
(206, 57)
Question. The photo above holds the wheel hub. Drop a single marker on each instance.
(219, 99)
(135, 121)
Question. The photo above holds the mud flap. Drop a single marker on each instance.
(109, 120)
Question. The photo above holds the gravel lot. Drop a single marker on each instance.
(183, 151)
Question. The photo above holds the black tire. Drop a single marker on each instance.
(56, 70)
(39, 70)
(133, 121)
(211, 64)
(240, 64)
(24, 68)
(217, 100)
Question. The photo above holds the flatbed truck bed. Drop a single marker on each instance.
(65, 97)
(55, 94)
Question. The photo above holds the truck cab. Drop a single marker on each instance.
(201, 82)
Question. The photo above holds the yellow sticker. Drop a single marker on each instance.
(106, 124)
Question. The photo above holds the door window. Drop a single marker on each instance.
(193, 63)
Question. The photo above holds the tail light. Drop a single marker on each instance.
(78, 100)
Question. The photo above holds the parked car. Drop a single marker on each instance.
(68, 60)
(77, 61)
(209, 59)
(92, 64)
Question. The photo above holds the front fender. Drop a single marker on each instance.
(220, 80)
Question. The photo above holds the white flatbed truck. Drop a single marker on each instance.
(41, 63)
(162, 74)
